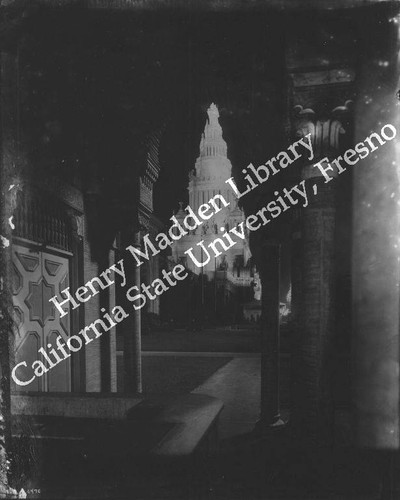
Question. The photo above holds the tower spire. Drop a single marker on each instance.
(212, 143)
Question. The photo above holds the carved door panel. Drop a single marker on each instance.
(38, 276)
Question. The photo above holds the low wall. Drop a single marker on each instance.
(88, 405)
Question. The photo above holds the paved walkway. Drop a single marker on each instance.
(237, 384)
(212, 339)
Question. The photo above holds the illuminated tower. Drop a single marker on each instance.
(212, 167)
(207, 179)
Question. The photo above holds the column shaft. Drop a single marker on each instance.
(312, 413)
(270, 274)
(376, 256)
(132, 332)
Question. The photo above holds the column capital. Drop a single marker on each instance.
(327, 132)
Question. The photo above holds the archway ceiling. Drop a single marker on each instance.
(110, 79)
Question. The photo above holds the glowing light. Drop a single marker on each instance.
(5, 242)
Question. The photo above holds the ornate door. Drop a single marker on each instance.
(38, 276)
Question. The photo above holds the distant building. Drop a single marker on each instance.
(231, 272)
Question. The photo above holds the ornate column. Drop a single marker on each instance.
(132, 333)
(312, 355)
(376, 243)
(296, 287)
(376, 251)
